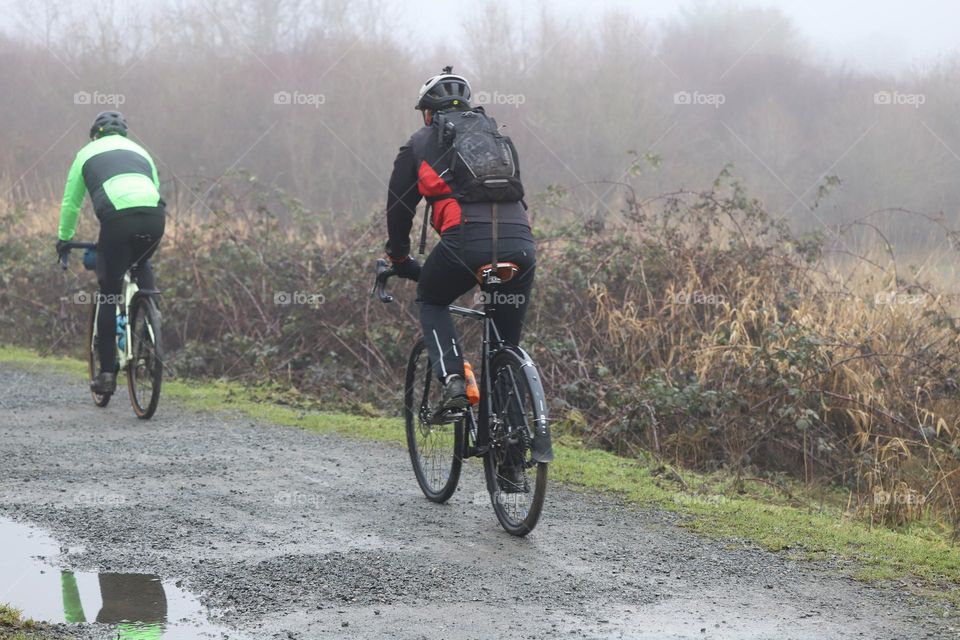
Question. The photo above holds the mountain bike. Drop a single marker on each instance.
(137, 339)
(509, 424)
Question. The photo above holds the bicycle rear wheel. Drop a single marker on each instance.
(434, 448)
(145, 369)
(93, 358)
(517, 404)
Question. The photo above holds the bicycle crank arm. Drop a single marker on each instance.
(446, 416)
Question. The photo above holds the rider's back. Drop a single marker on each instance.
(447, 211)
(117, 173)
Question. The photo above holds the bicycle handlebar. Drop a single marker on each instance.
(384, 273)
(67, 246)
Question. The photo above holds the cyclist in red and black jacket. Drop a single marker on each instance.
(465, 230)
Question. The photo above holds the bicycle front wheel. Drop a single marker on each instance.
(93, 357)
(434, 448)
(145, 369)
(516, 481)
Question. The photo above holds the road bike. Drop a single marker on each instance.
(509, 424)
(137, 338)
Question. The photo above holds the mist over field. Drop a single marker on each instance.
(744, 317)
(315, 97)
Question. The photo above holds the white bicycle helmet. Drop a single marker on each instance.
(444, 91)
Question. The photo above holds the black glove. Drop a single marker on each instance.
(402, 252)
(60, 248)
(407, 268)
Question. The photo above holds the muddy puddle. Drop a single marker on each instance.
(138, 605)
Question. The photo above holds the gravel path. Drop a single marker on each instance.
(284, 533)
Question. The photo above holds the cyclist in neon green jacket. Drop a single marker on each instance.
(135, 603)
(122, 181)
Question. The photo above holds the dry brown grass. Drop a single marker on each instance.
(731, 342)
(695, 328)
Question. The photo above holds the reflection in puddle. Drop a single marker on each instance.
(139, 605)
(132, 601)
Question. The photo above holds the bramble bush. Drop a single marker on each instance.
(692, 325)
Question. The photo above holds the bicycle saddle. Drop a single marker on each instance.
(502, 272)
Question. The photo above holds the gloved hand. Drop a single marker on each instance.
(60, 248)
(407, 268)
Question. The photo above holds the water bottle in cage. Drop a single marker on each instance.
(122, 331)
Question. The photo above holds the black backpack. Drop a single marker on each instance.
(471, 156)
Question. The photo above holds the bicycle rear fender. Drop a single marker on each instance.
(143, 293)
(542, 444)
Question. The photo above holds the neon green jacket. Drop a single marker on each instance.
(117, 173)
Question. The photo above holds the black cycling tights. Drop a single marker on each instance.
(448, 273)
(126, 241)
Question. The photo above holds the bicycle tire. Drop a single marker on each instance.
(144, 322)
(517, 391)
(437, 482)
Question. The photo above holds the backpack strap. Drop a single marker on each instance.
(427, 212)
(493, 232)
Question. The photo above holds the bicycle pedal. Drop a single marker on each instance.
(476, 452)
(447, 416)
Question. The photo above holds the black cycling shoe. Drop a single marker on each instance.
(453, 403)
(104, 384)
(454, 393)
(512, 479)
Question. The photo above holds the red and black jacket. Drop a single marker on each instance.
(412, 179)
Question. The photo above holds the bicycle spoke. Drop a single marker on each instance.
(433, 445)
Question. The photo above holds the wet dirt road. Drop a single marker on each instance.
(259, 531)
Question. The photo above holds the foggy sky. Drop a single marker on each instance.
(869, 35)
(207, 73)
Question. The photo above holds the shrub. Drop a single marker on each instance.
(692, 325)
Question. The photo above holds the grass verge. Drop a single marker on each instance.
(13, 626)
(787, 518)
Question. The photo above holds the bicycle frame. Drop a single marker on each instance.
(491, 337)
(491, 344)
(130, 290)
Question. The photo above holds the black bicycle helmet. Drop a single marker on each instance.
(444, 91)
(108, 122)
